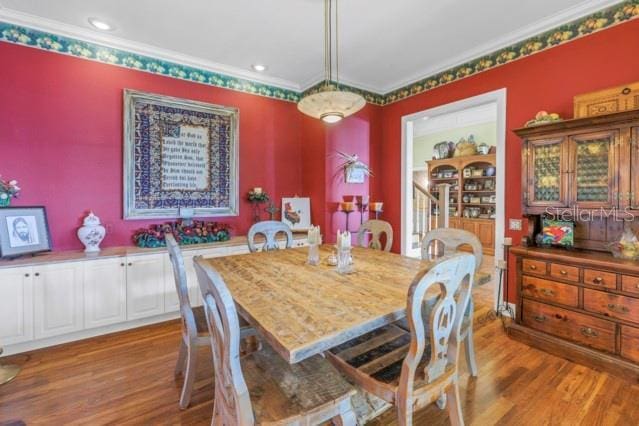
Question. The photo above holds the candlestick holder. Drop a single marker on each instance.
(377, 208)
(347, 207)
(362, 205)
(313, 255)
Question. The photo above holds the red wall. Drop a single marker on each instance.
(61, 138)
(545, 81)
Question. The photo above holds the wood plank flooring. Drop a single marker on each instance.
(127, 379)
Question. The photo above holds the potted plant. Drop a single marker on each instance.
(8, 190)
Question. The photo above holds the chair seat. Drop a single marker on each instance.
(281, 392)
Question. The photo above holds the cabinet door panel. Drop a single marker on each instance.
(58, 299)
(634, 169)
(16, 305)
(104, 292)
(546, 169)
(145, 286)
(593, 169)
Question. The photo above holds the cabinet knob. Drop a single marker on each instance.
(597, 280)
(28, 275)
(588, 332)
(122, 264)
(547, 292)
(618, 308)
(533, 267)
(130, 264)
(563, 272)
(37, 274)
(540, 318)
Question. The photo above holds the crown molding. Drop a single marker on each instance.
(109, 40)
(528, 31)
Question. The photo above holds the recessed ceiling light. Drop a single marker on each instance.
(425, 118)
(99, 24)
(259, 67)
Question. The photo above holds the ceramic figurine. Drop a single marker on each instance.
(91, 233)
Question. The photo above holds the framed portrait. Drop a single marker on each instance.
(23, 230)
(296, 213)
(355, 174)
(179, 154)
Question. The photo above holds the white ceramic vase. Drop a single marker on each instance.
(91, 233)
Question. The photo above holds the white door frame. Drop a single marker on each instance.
(498, 97)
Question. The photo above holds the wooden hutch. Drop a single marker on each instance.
(472, 194)
(581, 303)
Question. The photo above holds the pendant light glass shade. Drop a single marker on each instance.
(330, 104)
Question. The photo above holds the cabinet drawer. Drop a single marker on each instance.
(600, 278)
(564, 272)
(534, 266)
(630, 343)
(541, 289)
(630, 284)
(579, 328)
(611, 305)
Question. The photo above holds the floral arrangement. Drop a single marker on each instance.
(256, 195)
(627, 247)
(8, 190)
(198, 232)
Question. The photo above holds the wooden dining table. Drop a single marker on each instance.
(303, 310)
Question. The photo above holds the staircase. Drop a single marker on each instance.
(429, 211)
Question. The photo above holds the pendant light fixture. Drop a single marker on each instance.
(329, 103)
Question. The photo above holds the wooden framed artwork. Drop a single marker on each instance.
(23, 230)
(296, 213)
(179, 154)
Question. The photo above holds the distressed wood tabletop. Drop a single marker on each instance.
(304, 310)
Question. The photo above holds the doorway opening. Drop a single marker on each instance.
(473, 183)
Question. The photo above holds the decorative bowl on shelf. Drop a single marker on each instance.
(624, 251)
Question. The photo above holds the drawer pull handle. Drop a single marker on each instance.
(589, 332)
(547, 292)
(540, 318)
(618, 308)
(597, 280)
(637, 286)
(563, 272)
(533, 267)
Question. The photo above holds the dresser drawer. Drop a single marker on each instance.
(630, 284)
(611, 305)
(534, 266)
(580, 328)
(600, 278)
(630, 343)
(552, 291)
(564, 272)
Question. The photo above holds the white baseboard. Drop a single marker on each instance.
(86, 334)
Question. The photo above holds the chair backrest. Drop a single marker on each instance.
(270, 229)
(452, 239)
(232, 399)
(454, 277)
(376, 228)
(181, 285)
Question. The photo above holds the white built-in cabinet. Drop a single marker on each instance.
(58, 299)
(105, 292)
(48, 303)
(16, 305)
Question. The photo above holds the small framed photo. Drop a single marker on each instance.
(296, 213)
(355, 175)
(23, 230)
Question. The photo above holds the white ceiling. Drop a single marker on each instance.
(384, 44)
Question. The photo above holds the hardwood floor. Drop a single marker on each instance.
(127, 378)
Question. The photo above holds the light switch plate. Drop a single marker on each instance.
(514, 224)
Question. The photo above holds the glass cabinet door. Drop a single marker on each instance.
(593, 178)
(546, 173)
(633, 197)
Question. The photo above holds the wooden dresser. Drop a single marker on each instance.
(582, 305)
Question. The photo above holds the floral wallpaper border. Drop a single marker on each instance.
(81, 49)
(595, 22)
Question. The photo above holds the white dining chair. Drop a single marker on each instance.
(194, 328)
(263, 388)
(452, 239)
(376, 228)
(269, 229)
(419, 366)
